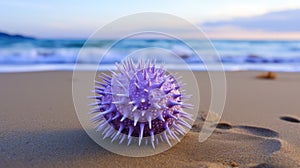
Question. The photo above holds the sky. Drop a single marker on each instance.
(79, 18)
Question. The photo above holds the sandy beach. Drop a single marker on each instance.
(259, 128)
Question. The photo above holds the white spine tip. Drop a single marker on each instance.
(149, 119)
(123, 118)
(136, 119)
(141, 133)
(134, 108)
(131, 102)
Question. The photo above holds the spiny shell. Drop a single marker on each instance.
(140, 101)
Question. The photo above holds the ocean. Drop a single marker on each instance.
(19, 55)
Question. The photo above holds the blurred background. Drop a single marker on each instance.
(47, 35)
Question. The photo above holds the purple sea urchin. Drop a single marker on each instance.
(140, 101)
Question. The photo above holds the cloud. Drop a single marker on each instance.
(281, 21)
(273, 25)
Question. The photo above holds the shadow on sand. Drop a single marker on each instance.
(49, 146)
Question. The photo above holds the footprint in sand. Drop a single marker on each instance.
(258, 131)
(249, 146)
(270, 144)
(224, 126)
(266, 140)
(246, 145)
(290, 119)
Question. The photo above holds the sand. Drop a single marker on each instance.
(260, 126)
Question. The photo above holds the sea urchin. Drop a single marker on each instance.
(140, 101)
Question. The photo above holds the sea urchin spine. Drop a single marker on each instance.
(140, 101)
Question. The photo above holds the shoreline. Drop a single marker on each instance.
(233, 67)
